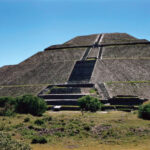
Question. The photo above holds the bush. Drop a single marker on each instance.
(7, 106)
(144, 111)
(89, 103)
(31, 104)
(39, 139)
(6, 143)
(7, 100)
(39, 122)
(86, 127)
(27, 119)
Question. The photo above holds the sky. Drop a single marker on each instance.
(29, 26)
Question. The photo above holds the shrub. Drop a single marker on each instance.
(27, 119)
(144, 111)
(7, 100)
(39, 139)
(39, 122)
(7, 105)
(86, 127)
(9, 110)
(31, 104)
(89, 103)
(6, 143)
(48, 118)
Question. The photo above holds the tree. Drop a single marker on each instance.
(30, 104)
(89, 103)
(144, 111)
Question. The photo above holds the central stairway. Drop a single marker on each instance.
(82, 71)
(78, 84)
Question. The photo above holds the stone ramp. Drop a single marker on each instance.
(95, 50)
(62, 102)
(103, 91)
(86, 53)
(94, 53)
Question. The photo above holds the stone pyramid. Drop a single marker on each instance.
(113, 63)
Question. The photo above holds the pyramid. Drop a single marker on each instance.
(113, 63)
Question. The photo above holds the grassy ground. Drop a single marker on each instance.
(70, 130)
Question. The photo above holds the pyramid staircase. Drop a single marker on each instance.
(78, 84)
(65, 94)
(82, 71)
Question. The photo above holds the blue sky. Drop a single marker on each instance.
(29, 26)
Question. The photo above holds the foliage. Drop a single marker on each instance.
(27, 119)
(31, 104)
(49, 118)
(39, 122)
(25, 104)
(89, 103)
(7, 106)
(6, 143)
(39, 139)
(144, 111)
(92, 91)
(6, 100)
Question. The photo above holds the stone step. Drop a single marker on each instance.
(65, 90)
(126, 101)
(62, 101)
(88, 85)
(61, 96)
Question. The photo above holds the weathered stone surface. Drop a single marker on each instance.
(111, 38)
(77, 41)
(140, 89)
(137, 51)
(44, 67)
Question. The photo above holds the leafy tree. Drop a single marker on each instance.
(144, 111)
(30, 104)
(89, 103)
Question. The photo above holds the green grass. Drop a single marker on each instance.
(7, 143)
(92, 91)
(63, 127)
